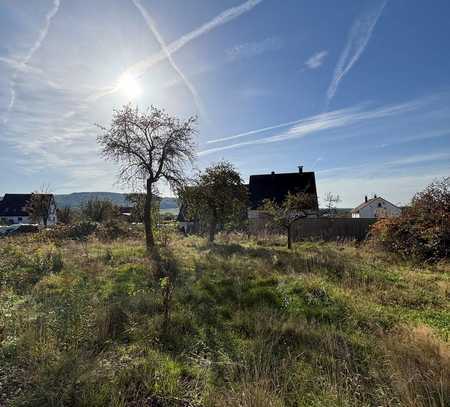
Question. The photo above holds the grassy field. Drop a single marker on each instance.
(239, 323)
(173, 211)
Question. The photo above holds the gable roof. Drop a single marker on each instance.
(364, 204)
(276, 186)
(15, 204)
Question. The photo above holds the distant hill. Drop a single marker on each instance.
(76, 199)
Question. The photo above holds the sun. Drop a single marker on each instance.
(129, 85)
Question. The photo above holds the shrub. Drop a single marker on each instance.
(21, 271)
(67, 215)
(78, 231)
(423, 230)
(97, 210)
(111, 230)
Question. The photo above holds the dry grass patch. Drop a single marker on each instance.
(420, 366)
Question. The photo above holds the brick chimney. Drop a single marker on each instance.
(365, 199)
(300, 169)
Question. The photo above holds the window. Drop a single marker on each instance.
(19, 219)
(379, 204)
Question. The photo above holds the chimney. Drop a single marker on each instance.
(300, 169)
(365, 198)
(272, 173)
(375, 195)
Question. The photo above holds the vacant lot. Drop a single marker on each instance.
(238, 323)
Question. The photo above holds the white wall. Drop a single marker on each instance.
(378, 208)
(52, 219)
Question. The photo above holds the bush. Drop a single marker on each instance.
(97, 210)
(111, 230)
(422, 231)
(67, 215)
(78, 231)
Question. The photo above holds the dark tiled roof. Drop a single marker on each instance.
(14, 204)
(276, 186)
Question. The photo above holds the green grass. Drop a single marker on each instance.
(237, 323)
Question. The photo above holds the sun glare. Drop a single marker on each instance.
(129, 85)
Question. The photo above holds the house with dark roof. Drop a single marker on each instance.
(265, 186)
(376, 207)
(276, 187)
(14, 209)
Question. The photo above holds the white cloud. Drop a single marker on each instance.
(334, 119)
(251, 49)
(152, 26)
(316, 60)
(226, 16)
(418, 158)
(359, 37)
(140, 68)
(21, 65)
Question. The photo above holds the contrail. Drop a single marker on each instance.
(152, 26)
(251, 132)
(138, 69)
(321, 122)
(359, 37)
(37, 44)
(223, 18)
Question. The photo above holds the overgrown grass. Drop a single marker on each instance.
(237, 323)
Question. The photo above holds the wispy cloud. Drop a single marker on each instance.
(252, 49)
(316, 60)
(359, 37)
(419, 158)
(140, 68)
(256, 131)
(324, 121)
(21, 65)
(151, 24)
(226, 16)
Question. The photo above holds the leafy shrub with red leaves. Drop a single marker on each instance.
(422, 231)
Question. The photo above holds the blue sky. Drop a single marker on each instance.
(357, 91)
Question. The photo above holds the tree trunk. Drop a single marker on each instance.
(289, 236)
(212, 230)
(148, 222)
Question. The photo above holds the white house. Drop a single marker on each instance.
(376, 207)
(13, 209)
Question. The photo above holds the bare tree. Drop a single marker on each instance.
(294, 207)
(331, 201)
(150, 146)
(40, 205)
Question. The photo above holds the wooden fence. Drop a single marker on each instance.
(320, 228)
